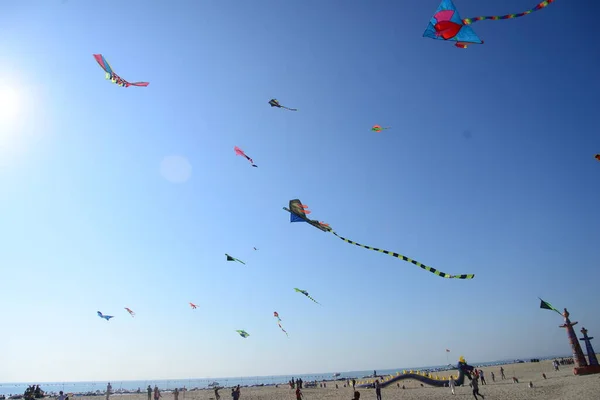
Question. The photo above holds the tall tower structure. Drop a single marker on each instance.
(593, 361)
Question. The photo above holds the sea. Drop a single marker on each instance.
(125, 387)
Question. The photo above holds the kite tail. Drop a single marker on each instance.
(543, 4)
(284, 331)
(239, 261)
(291, 109)
(313, 299)
(418, 264)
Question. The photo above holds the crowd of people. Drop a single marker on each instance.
(33, 392)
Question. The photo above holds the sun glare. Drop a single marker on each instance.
(9, 104)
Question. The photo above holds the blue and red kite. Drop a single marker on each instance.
(446, 23)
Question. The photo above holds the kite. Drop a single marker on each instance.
(114, 78)
(276, 315)
(547, 306)
(240, 152)
(597, 157)
(275, 103)
(298, 214)
(255, 248)
(229, 258)
(193, 305)
(243, 333)
(130, 312)
(304, 292)
(106, 317)
(446, 24)
(377, 128)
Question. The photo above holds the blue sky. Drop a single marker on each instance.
(89, 222)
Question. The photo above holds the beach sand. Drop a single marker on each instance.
(560, 385)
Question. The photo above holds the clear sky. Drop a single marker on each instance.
(488, 169)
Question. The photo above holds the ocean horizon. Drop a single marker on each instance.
(127, 386)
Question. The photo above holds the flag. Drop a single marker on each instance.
(547, 306)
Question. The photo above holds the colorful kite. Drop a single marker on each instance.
(304, 292)
(276, 315)
(240, 152)
(597, 157)
(547, 306)
(446, 24)
(298, 214)
(229, 258)
(114, 78)
(193, 305)
(275, 103)
(243, 333)
(106, 317)
(377, 128)
(130, 312)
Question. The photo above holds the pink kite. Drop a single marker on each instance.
(240, 152)
(114, 78)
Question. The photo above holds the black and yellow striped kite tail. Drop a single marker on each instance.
(418, 264)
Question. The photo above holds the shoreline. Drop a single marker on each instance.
(546, 384)
(129, 387)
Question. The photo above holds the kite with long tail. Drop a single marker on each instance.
(114, 78)
(106, 317)
(275, 103)
(130, 311)
(243, 333)
(240, 152)
(193, 305)
(229, 258)
(298, 214)
(304, 292)
(378, 128)
(446, 23)
(276, 315)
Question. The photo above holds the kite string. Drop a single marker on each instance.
(543, 4)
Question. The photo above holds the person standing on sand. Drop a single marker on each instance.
(353, 383)
(217, 395)
(483, 382)
(61, 396)
(502, 373)
(475, 385)
(108, 389)
(149, 392)
(157, 394)
(176, 394)
(493, 376)
(298, 394)
(377, 389)
(451, 384)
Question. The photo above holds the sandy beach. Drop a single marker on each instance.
(560, 385)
